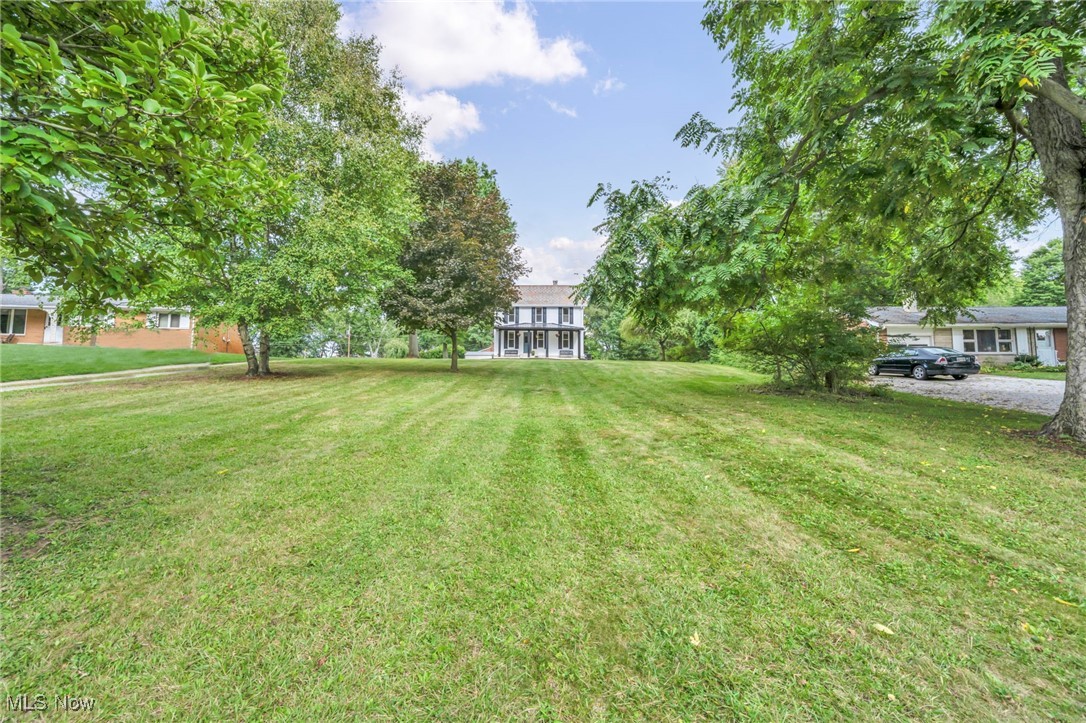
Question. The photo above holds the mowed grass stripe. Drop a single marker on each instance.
(537, 540)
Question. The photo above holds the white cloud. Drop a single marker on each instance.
(457, 44)
(562, 259)
(449, 118)
(610, 84)
(563, 109)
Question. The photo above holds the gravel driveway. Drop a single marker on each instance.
(1029, 395)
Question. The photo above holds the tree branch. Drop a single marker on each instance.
(1061, 95)
(850, 111)
(1016, 122)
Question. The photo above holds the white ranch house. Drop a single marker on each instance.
(545, 322)
(995, 334)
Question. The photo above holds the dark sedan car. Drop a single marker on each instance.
(921, 362)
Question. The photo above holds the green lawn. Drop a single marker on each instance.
(37, 361)
(1030, 374)
(536, 540)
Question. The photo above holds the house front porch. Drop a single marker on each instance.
(539, 341)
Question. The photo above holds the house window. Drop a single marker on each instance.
(539, 314)
(540, 342)
(566, 342)
(510, 315)
(169, 321)
(13, 321)
(510, 340)
(567, 315)
(988, 341)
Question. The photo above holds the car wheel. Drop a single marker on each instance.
(873, 370)
(959, 376)
(919, 372)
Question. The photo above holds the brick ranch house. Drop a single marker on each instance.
(995, 334)
(32, 319)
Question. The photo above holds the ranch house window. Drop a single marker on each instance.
(538, 316)
(169, 321)
(13, 321)
(988, 341)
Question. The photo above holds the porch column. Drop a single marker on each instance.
(547, 343)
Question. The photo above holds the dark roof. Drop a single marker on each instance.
(26, 301)
(977, 315)
(528, 326)
(545, 295)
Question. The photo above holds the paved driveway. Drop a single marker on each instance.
(1029, 395)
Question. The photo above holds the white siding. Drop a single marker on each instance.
(1021, 337)
(918, 334)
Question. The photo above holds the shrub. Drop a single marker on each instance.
(730, 358)
(438, 353)
(395, 349)
(805, 342)
(1027, 360)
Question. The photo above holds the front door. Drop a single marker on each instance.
(527, 343)
(54, 332)
(1046, 347)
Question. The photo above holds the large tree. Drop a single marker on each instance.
(1044, 279)
(936, 131)
(462, 255)
(124, 120)
(343, 147)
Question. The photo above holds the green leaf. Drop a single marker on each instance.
(44, 203)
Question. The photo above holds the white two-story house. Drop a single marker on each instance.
(545, 322)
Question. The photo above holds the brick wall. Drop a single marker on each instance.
(1059, 339)
(132, 333)
(35, 328)
(219, 339)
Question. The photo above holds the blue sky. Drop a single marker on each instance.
(557, 97)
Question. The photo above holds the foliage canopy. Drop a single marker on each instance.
(122, 120)
(462, 256)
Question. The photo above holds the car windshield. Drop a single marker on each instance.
(940, 350)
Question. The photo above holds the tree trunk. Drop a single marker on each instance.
(250, 353)
(413, 345)
(1061, 148)
(663, 351)
(263, 352)
(455, 352)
